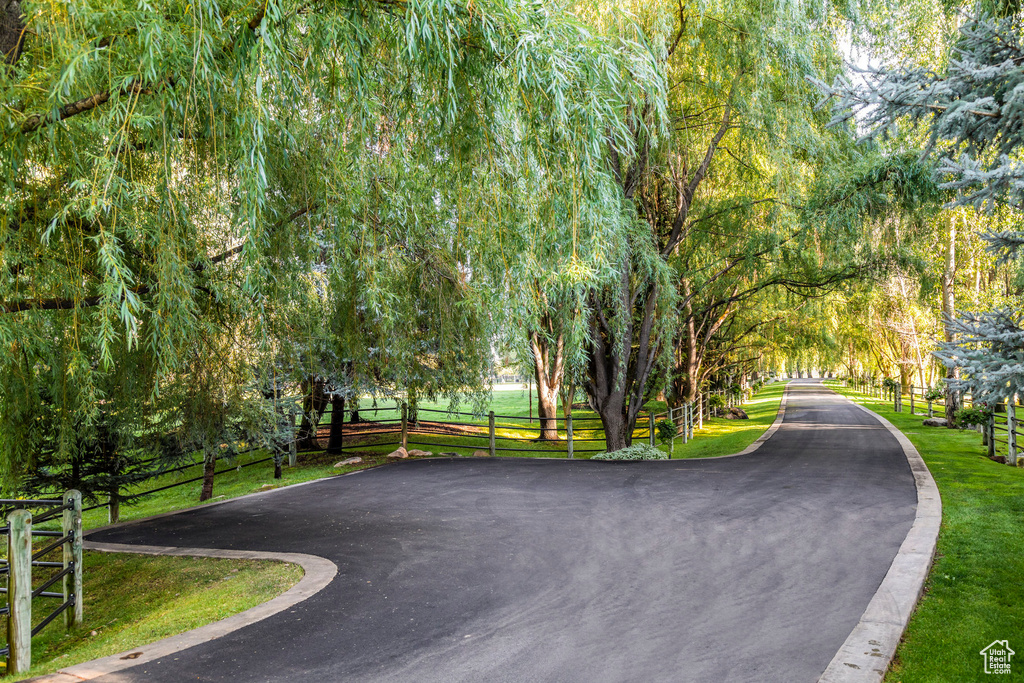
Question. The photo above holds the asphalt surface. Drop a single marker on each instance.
(753, 568)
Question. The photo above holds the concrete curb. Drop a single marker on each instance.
(867, 652)
(318, 573)
(768, 433)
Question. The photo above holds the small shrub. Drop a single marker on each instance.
(638, 451)
(970, 417)
(936, 393)
(890, 384)
(666, 431)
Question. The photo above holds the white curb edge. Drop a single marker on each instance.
(869, 649)
(318, 572)
(759, 441)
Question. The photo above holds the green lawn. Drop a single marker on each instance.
(975, 593)
(725, 437)
(133, 600)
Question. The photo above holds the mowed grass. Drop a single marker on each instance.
(725, 437)
(975, 592)
(133, 600)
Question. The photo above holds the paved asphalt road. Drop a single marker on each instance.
(753, 568)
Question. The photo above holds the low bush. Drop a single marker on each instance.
(638, 451)
(936, 393)
(975, 416)
(667, 431)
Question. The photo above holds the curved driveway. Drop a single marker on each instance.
(751, 568)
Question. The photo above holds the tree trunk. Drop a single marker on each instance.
(953, 399)
(277, 468)
(568, 393)
(209, 467)
(335, 441)
(621, 359)
(618, 433)
(547, 369)
(313, 406)
(547, 410)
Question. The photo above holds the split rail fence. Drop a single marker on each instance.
(505, 434)
(559, 436)
(21, 565)
(1001, 434)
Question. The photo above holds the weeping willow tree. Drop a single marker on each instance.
(716, 197)
(341, 178)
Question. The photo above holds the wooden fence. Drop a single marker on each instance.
(380, 428)
(1001, 435)
(23, 558)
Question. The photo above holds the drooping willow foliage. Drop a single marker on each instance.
(339, 183)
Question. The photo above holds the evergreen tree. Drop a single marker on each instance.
(972, 113)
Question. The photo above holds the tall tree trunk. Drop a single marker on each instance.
(313, 406)
(547, 411)
(334, 442)
(621, 358)
(953, 398)
(547, 369)
(209, 468)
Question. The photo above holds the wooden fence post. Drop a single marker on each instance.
(700, 410)
(114, 507)
(991, 429)
(650, 426)
(405, 425)
(675, 433)
(568, 434)
(682, 416)
(911, 398)
(1011, 430)
(19, 591)
(490, 433)
(72, 524)
(293, 453)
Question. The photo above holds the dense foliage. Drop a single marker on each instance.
(970, 114)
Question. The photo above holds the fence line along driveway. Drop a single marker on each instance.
(754, 568)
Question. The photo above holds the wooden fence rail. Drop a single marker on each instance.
(1001, 435)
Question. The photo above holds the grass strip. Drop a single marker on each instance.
(974, 593)
(134, 600)
(176, 594)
